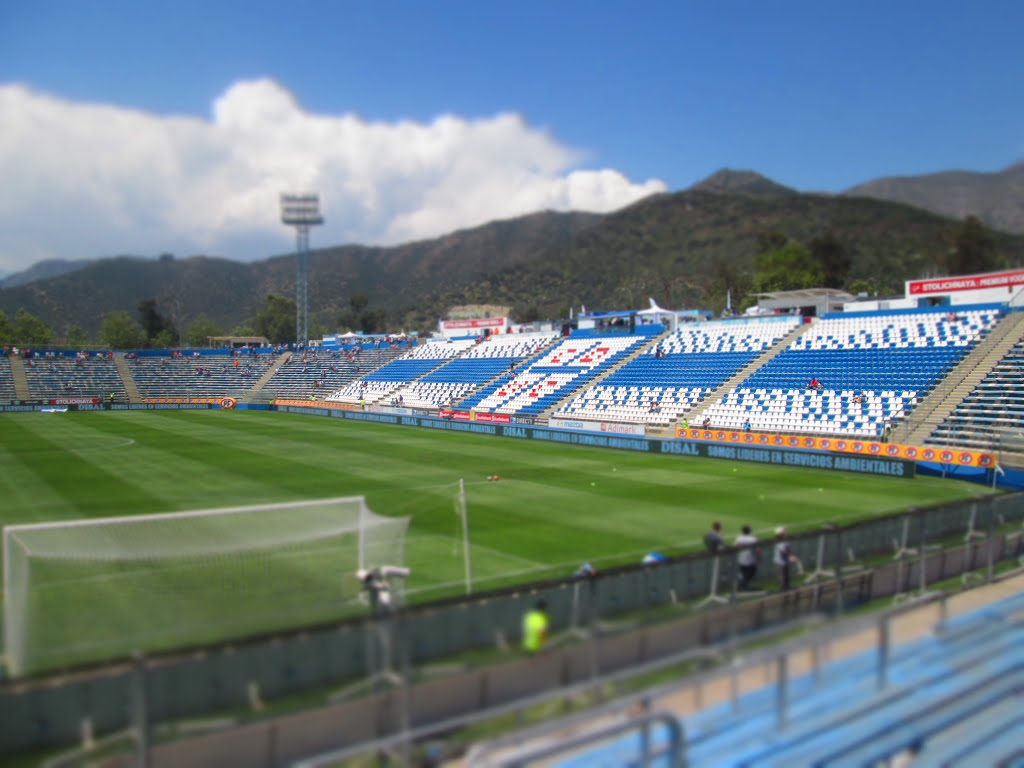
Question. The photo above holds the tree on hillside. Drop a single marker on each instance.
(833, 258)
(359, 317)
(74, 336)
(772, 240)
(276, 320)
(30, 330)
(787, 269)
(158, 329)
(728, 280)
(121, 331)
(974, 249)
(200, 330)
(166, 339)
(6, 329)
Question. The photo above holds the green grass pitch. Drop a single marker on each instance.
(554, 507)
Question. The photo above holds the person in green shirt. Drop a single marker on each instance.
(535, 627)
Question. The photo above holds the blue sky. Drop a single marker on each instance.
(151, 127)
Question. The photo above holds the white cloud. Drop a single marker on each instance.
(88, 180)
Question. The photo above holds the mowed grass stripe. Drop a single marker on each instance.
(80, 478)
(331, 463)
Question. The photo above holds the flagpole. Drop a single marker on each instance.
(466, 558)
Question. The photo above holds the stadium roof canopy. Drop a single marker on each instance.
(822, 300)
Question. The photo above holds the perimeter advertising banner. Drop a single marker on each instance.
(965, 283)
(460, 421)
(844, 445)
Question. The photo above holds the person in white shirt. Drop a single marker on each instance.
(748, 556)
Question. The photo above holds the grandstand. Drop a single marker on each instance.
(392, 376)
(670, 376)
(560, 371)
(854, 374)
(314, 373)
(73, 375)
(871, 371)
(477, 365)
(197, 375)
(993, 409)
(7, 391)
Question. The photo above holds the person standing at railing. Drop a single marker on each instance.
(784, 558)
(747, 558)
(713, 539)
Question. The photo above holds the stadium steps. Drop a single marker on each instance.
(653, 342)
(961, 381)
(256, 393)
(21, 388)
(741, 375)
(124, 370)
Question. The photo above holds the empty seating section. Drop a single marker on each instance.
(871, 370)
(7, 391)
(478, 365)
(668, 379)
(384, 381)
(994, 408)
(73, 375)
(202, 376)
(566, 367)
(317, 372)
(953, 697)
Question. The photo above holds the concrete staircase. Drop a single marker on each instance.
(652, 342)
(124, 370)
(959, 383)
(21, 390)
(256, 393)
(734, 381)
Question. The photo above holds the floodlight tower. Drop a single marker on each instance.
(301, 211)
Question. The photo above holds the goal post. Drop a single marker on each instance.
(94, 590)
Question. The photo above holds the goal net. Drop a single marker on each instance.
(94, 590)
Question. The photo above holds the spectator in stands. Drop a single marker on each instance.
(815, 384)
(784, 559)
(748, 557)
(536, 626)
(713, 539)
(746, 425)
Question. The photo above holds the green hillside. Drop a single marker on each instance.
(685, 249)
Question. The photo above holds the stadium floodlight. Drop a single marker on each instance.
(302, 211)
(95, 590)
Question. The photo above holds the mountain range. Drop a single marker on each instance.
(687, 249)
(995, 198)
